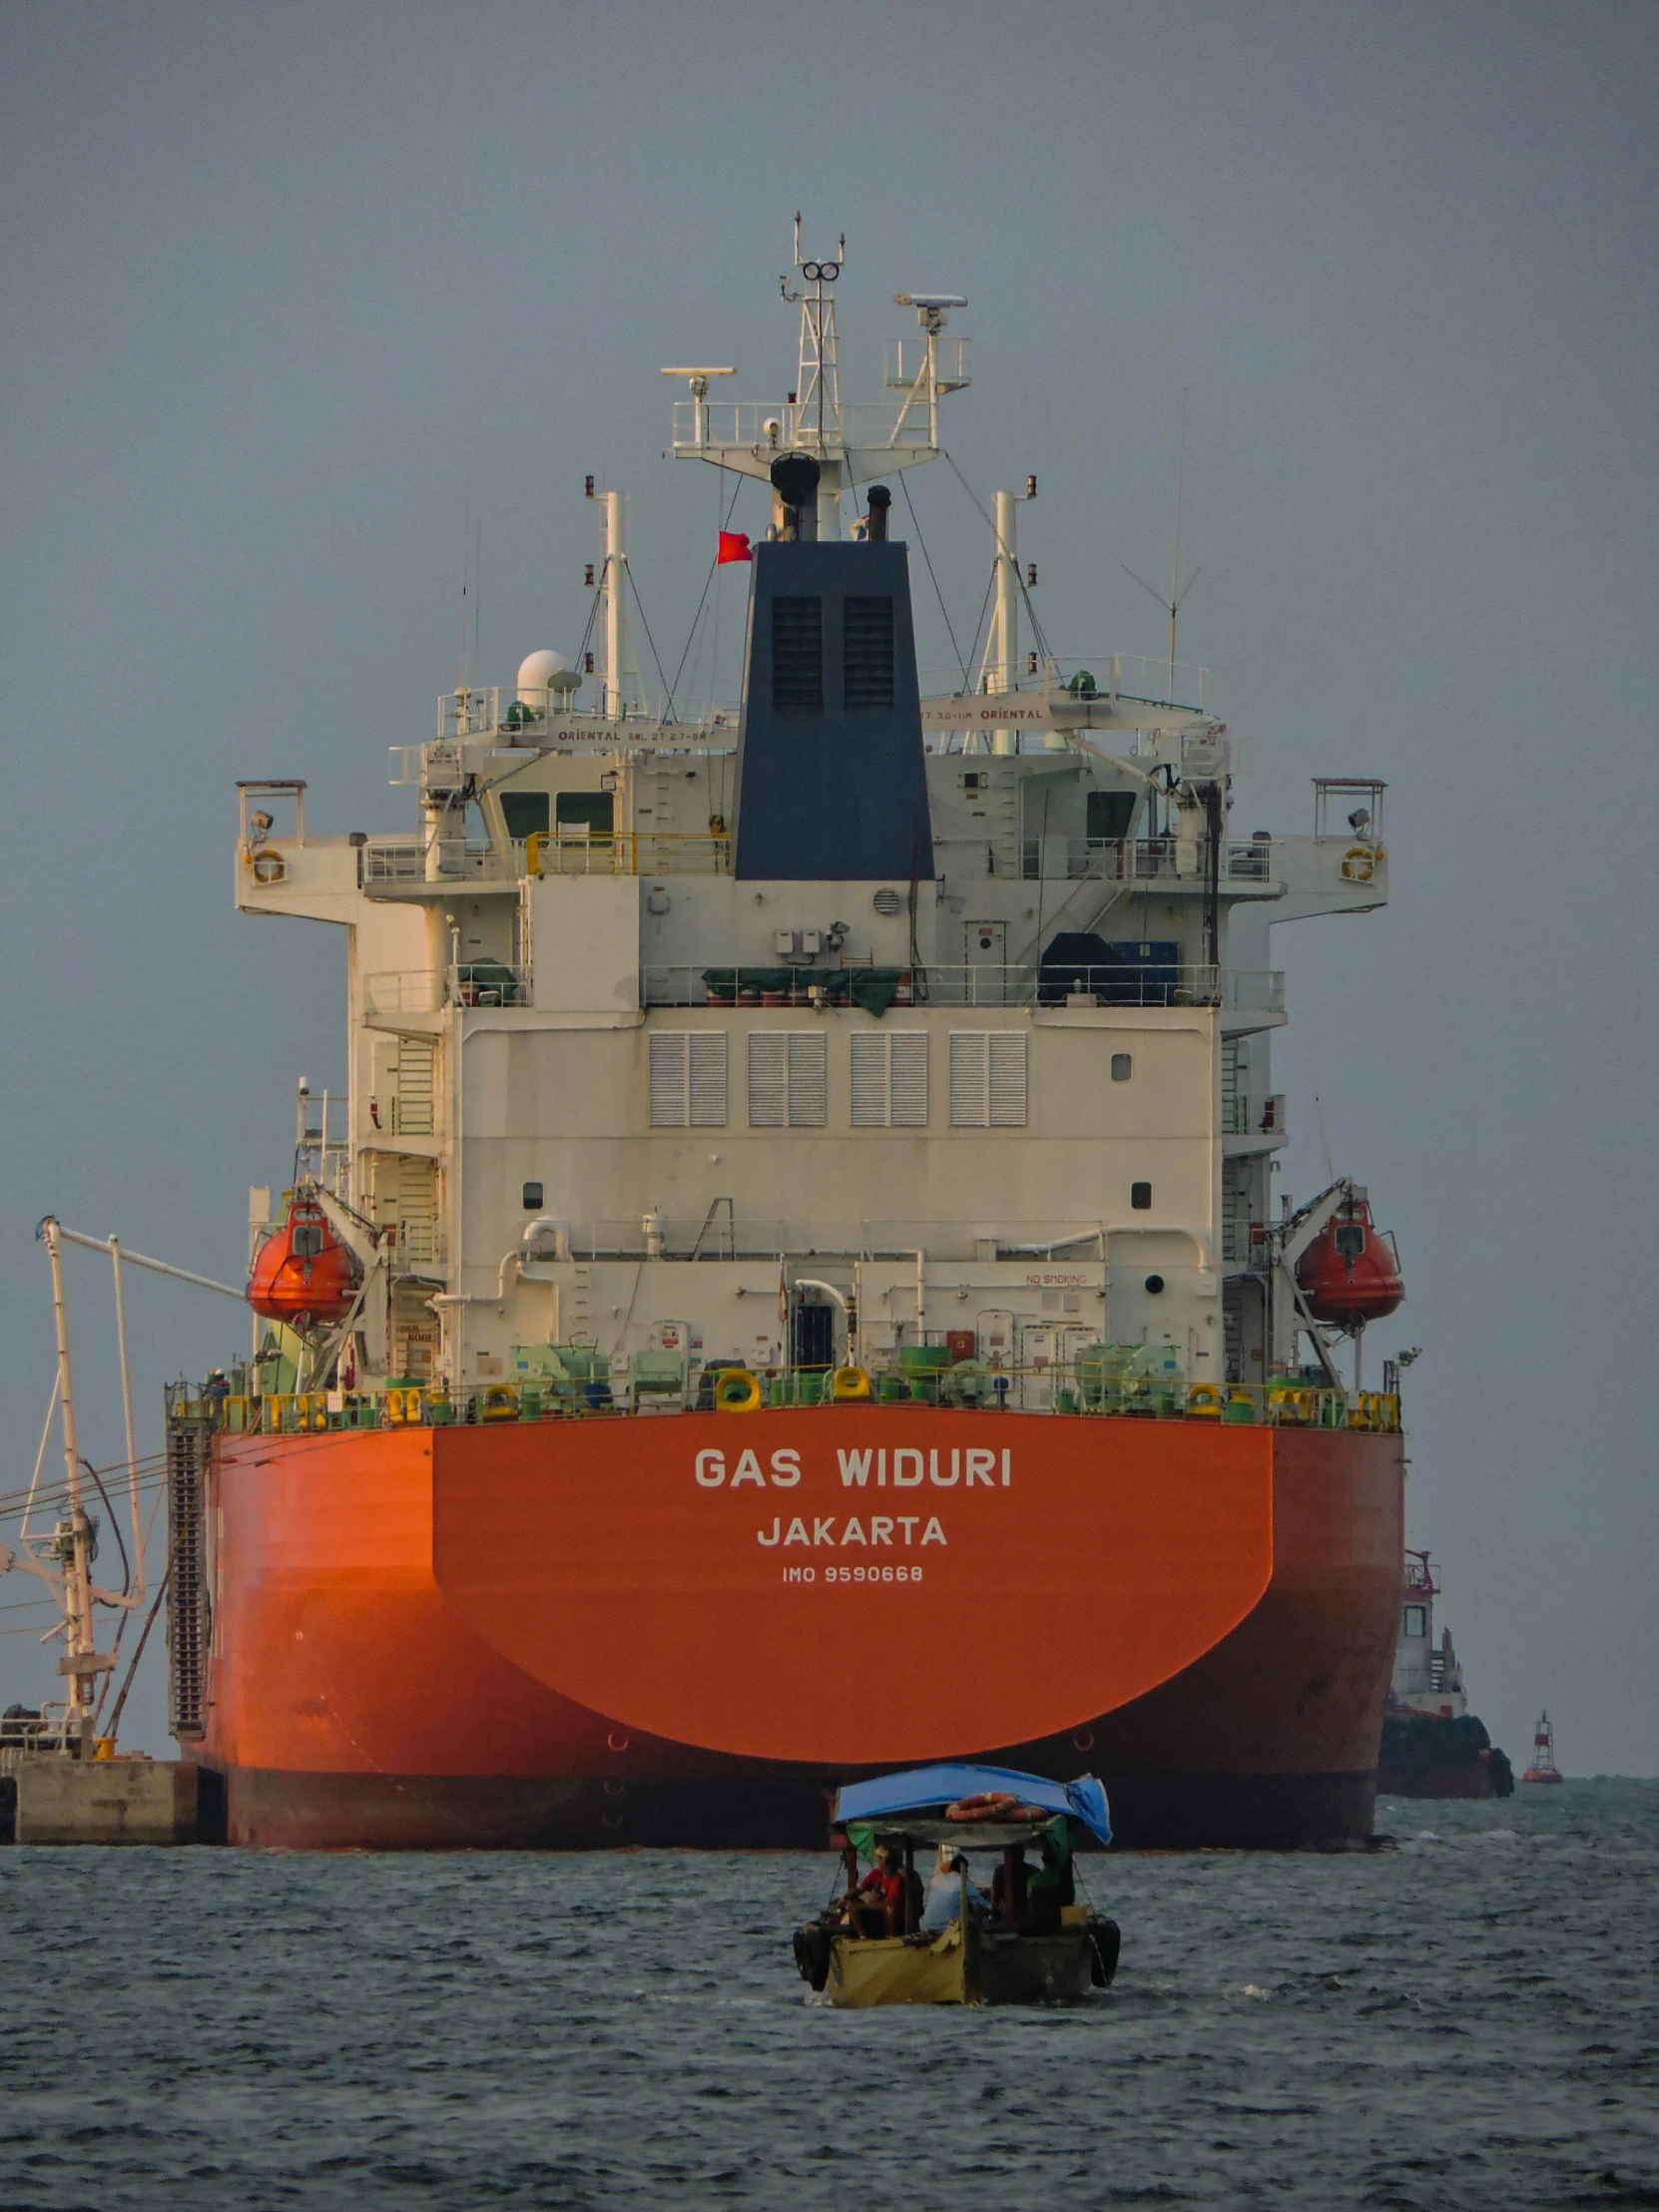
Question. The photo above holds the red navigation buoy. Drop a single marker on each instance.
(304, 1274)
(1349, 1274)
(1543, 1766)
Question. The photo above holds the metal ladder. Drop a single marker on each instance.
(188, 1605)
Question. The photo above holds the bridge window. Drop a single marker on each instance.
(594, 811)
(1109, 814)
(526, 813)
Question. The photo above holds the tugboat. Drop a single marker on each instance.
(1543, 1766)
(886, 1941)
(1432, 1745)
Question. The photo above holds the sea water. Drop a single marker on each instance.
(1468, 2018)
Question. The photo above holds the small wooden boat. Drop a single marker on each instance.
(1032, 1945)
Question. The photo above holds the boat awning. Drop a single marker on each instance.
(915, 1801)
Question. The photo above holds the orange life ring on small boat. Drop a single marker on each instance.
(984, 1805)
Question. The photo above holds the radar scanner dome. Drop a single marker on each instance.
(541, 673)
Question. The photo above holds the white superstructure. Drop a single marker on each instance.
(607, 1093)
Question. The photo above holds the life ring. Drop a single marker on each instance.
(268, 865)
(848, 1385)
(1204, 1402)
(985, 1804)
(498, 1401)
(736, 1391)
(1359, 863)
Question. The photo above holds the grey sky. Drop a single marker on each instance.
(291, 291)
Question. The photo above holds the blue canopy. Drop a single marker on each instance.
(922, 1788)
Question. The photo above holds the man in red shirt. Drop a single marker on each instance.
(884, 1886)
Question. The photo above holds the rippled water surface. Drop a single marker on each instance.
(1468, 2019)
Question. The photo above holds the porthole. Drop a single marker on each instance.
(1140, 1197)
(1123, 1067)
(1155, 1284)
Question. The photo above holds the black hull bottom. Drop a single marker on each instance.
(333, 1812)
(1426, 1756)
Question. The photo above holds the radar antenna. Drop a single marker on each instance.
(851, 445)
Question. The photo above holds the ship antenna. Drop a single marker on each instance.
(1177, 590)
(478, 595)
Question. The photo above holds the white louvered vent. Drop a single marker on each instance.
(669, 1101)
(908, 1087)
(708, 1079)
(889, 1080)
(987, 1079)
(687, 1079)
(787, 1079)
(1007, 1068)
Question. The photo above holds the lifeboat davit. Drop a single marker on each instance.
(1349, 1274)
(304, 1274)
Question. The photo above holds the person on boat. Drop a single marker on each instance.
(883, 1888)
(944, 1894)
(1056, 1873)
(1052, 1887)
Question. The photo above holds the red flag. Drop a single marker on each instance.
(733, 546)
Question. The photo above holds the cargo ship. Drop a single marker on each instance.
(1432, 1745)
(791, 1285)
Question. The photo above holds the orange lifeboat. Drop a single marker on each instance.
(304, 1275)
(1349, 1274)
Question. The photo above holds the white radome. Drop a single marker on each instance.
(540, 673)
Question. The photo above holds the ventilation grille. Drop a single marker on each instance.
(889, 1080)
(687, 1079)
(787, 1079)
(798, 653)
(866, 652)
(987, 1079)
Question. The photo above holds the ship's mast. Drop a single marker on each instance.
(80, 1662)
(817, 395)
(851, 445)
(621, 684)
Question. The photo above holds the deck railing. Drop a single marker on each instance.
(394, 863)
(980, 983)
(608, 1390)
(1249, 1117)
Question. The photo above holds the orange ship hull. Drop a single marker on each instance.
(688, 1629)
